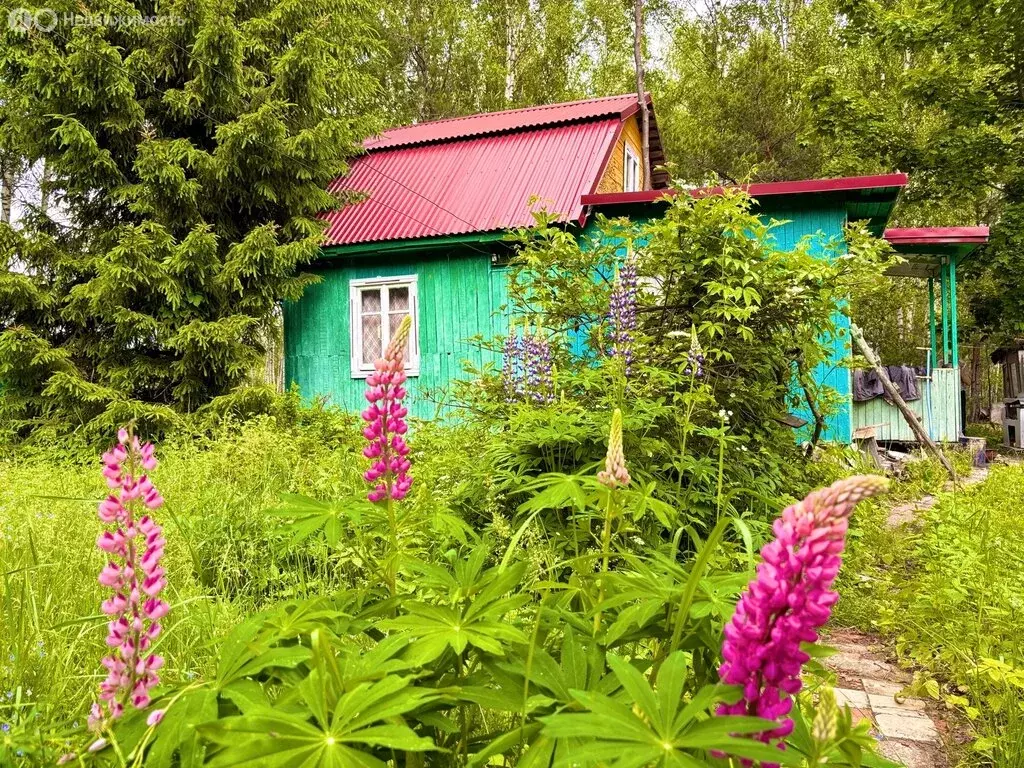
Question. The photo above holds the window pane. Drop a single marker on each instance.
(373, 348)
(395, 320)
(370, 300)
(399, 299)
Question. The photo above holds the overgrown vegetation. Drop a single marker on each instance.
(947, 591)
(521, 605)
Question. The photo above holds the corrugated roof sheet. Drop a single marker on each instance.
(501, 122)
(478, 183)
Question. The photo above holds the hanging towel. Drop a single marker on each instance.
(905, 379)
(866, 386)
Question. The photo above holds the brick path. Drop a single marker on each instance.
(906, 731)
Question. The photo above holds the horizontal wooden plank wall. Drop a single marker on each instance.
(941, 418)
(459, 298)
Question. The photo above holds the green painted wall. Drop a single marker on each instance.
(459, 295)
(938, 408)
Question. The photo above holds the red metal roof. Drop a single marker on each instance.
(765, 189)
(937, 235)
(501, 122)
(484, 179)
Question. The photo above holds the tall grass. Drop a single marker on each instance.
(221, 561)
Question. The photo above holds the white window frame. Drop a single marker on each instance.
(361, 370)
(630, 162)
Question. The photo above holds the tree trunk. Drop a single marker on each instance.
(6, 191)
(898, 401)
(641, 93)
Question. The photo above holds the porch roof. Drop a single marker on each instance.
(927, 248)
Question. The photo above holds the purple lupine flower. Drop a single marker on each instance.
(386, 425)
(512, 366)
(694, 357)
(539, 369)
(134, 549)
(622, 313)
(532, 363)
(787, 602)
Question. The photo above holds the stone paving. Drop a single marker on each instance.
(909, 730)
(905, 513)
(869, 685)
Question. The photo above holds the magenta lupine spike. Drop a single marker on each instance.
(134, 547)
(622, 313)
(787, 602)
(386, 425)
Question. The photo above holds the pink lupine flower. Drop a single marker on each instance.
(787, 602)
(385, 418)
(135, 547)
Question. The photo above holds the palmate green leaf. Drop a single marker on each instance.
(480, 624)
(251, 648)
(555, 490)
(653, 725)
(309, 515)
(362, 718)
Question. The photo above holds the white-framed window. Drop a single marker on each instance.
(630, 170)
(377, 306)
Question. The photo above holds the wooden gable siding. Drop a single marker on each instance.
(611, 179)
(458, 299)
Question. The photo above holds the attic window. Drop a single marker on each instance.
(377, 307)
(630, 170)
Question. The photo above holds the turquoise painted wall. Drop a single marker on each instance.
(823, 220)
(460, 296)
(458, 299)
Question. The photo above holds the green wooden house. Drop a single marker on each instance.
(426, 239)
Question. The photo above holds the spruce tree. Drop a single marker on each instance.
(188, 158)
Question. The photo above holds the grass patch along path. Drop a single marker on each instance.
(933, 585)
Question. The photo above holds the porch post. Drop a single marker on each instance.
(932, 337)
(952, 312)
(944, 290)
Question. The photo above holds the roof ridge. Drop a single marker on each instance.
(505, 121)
(534, 108)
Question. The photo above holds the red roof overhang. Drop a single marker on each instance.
(926, 249)
(938, 236)
(765, 189)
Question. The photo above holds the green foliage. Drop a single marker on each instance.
(315, 633)
(949, 597)
(707, 445)
(191, 159)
